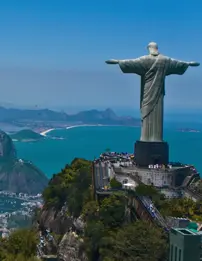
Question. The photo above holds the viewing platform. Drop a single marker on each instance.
(123, 167)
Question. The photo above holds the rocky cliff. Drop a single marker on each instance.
(60, 219)
(17, 175)
(69, 247)
(56, 221)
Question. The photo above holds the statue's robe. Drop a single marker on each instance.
(153, 69)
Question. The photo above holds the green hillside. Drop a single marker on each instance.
(26, 135)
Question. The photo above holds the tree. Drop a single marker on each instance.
(100, 220)
(55, 194)
(20, 257)
(115, 184)
(21, 244)
(94, 232)
(145, 190)
(71, 185)
(78, 191)
(78, 164)
(183, 207)
(134, 242)
(112, 210)
(90, 211)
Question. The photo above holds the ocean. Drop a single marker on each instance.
(51, 155)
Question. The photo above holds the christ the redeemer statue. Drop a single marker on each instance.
(153, 69)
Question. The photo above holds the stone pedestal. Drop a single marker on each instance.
(151, 153)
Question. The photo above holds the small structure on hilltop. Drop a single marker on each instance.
(122, 166)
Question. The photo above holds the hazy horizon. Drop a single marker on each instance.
(52, 53)
(173, 115)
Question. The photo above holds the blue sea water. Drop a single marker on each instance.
(88, 142)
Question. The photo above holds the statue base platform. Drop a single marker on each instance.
(151, 153)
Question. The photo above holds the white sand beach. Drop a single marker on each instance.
(83, 125)
(43, 133)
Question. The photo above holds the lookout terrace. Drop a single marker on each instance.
(123, 167)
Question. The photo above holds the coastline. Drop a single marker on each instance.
(85, 125)
(43, 133)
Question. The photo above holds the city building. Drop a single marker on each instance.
(185, 245)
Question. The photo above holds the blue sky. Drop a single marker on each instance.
(52, 52)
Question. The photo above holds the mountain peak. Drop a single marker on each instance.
(17, 175)
(110, 114)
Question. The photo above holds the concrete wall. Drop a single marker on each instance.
(180, 174)
(157, 177)
(169, 193)
(103, 172)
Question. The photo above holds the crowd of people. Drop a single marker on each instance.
(117, 155)
(159, 166)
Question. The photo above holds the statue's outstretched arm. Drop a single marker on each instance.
(112, 61)
(179, 67)
(130, 65)
(193, 63)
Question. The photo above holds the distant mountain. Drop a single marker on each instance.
(10, 115)
(17, 175)
(26, 135)
(21, 176)
(102, 117)
(84, 117)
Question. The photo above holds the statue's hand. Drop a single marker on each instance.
(112, 61)
(194, 64)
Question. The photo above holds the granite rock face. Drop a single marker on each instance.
(17, 175)
(70, 248)
(79, 225)
(56, 221)
(60, 222)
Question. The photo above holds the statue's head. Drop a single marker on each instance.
(153, 48)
